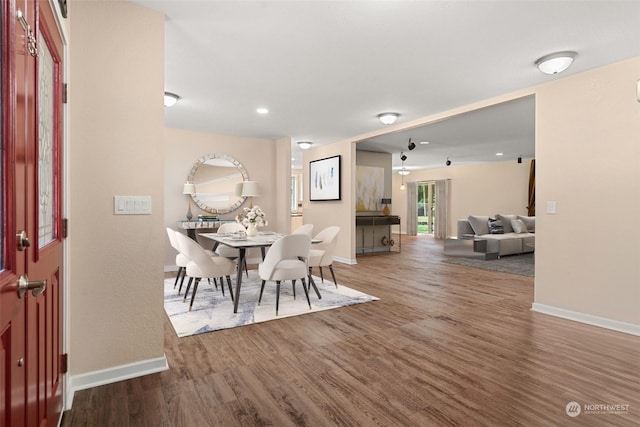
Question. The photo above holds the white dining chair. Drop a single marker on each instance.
(286, 260)
(202, 265)
(225, 251)
(304, 229)
(321, 255)
(181, 259)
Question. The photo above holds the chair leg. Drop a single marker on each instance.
(193, 294)
(221, 285)
(333, 275)
(306, 293)
(321, 276)
(184, 274)
(215, 282)
(277, 295)
(186, 291)
(315, 288)
(246, 269)
(261, 289)
(230, 288)
(293, 285)
(178, 276)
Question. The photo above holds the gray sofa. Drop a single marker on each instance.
(505, 234)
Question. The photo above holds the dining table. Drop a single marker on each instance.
(242, 242)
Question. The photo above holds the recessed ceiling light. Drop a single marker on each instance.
(262, 110)
(424, 142)
(499, 154)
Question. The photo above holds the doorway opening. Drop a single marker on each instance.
(426, 207)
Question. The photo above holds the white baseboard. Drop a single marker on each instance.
(602, 322)
(112, 375)
(345, 260)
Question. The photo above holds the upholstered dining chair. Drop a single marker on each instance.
(202, 265)
(181, 259)
(231, 253)
(286, 260)
(304, 229)
(321, 254)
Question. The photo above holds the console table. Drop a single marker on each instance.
(373, 233)
(193, 227)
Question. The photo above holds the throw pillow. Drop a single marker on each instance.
(480, 224)
(495, 226)
(529, 221)
(506, 222)
(518, 226)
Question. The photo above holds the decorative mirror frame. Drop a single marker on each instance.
(192, 174)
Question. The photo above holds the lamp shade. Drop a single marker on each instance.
(385, 201)
(250, 189)
(189, 188)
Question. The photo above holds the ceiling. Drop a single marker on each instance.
(326, 69)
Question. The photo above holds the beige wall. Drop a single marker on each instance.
(588, 160)
(114, 148)
(259, 158)
(483, 189)
(342, 212)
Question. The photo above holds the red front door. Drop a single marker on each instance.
(31, 146)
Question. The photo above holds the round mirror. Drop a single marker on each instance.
(216, 177)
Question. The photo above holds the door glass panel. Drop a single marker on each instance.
(46, 131)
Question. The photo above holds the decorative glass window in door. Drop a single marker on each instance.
(46, 135)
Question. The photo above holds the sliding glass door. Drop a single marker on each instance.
(426, 207)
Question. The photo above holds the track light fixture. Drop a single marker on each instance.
(448, 162)
(402, 156)
(411, 145)
(519, 159)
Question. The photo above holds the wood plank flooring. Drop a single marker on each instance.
(445, 345)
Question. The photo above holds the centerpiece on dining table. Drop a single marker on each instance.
(252, 218)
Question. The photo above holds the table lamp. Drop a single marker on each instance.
(250, 189)
(385, 210)
(189, 188)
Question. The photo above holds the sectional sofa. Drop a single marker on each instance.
(505, 234)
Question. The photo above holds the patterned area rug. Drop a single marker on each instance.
(523, 265)
(211, 311)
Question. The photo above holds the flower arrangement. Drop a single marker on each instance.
(253, 215)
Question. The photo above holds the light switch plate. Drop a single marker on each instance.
(551, 206)
(132, 205)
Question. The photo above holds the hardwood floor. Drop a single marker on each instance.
(445, 345)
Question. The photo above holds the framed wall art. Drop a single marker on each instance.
(324, 179)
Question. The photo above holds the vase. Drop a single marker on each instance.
(252, 229)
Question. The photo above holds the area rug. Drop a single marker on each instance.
(212, 311)
(523, 265)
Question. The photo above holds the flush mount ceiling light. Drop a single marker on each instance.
(305, 145)
(170, 99)
(403, 172)
(556, 62)
(388, 118)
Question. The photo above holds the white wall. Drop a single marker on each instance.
(116, 65)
